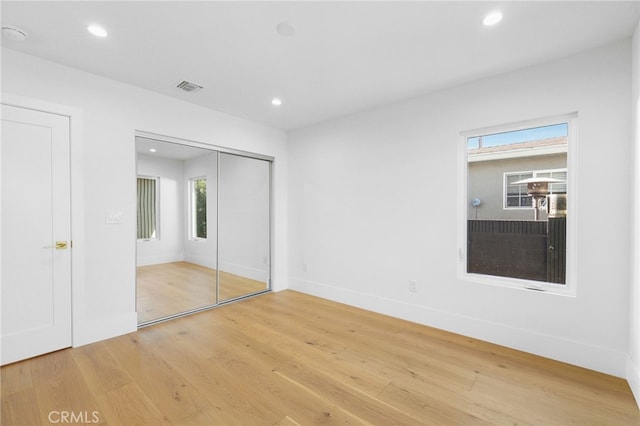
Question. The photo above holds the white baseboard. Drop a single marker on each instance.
(633, 378)
(573, 352)
(243, 271)
(207, 262)
(90, 332)
(157, 260)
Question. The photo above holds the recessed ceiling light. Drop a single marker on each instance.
(492, 18)
(276, 102)
(13, 33)
(152, 150)
(285, 29)
(97, 30)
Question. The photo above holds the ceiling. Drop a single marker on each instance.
(343, 57)
(165, 149)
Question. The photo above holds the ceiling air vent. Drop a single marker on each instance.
(187, 86)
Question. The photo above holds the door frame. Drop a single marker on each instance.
(77, 198)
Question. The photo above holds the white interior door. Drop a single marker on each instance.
(35, 233)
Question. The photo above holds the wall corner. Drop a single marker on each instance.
(633, 360)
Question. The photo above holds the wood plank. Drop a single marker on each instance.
(429, 408)
(543, 405)
(355, 403)
(100, 370)
(175, 287)
(349, 374)
(21, 408)
(129, 405)
(292, 359)
(59, 385)
(288, 421)
(171, 392)
(15, 377)
(227, 402)
(254, 377)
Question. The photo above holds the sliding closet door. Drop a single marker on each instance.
(243, 226)
(177, 234)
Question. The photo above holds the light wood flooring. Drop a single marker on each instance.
(291, 359)
(171, 288)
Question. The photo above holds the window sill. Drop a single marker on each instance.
(519, 284)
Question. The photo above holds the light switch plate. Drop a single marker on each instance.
(114, 216)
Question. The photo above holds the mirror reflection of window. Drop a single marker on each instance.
(198, 205)
(147, 208)
(511, 230)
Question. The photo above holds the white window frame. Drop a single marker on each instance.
(569, 288)
(192, 212)
(157, 207)
(533, 173)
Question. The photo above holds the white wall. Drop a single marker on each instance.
(633, 364)
(203, 251)
(169, 247)
(104, 292)
(373, 205)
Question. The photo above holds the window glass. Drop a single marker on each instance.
(517, 193)
(516, 203)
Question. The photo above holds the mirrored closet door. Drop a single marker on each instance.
(186, 195)
(243, 219)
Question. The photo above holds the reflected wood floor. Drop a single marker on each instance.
(292, 359)
(170, 288)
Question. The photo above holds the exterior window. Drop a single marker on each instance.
(517, 187)
(198, 207)
(516, 195)
(148, 208)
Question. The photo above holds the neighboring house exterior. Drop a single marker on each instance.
(492, 170)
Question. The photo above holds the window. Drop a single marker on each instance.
(148, 208)
(198, 208)
(509, 235)
(516, 194)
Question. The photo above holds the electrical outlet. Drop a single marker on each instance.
(413, 286)
(304, 267)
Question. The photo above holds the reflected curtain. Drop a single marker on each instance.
(146, 208)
